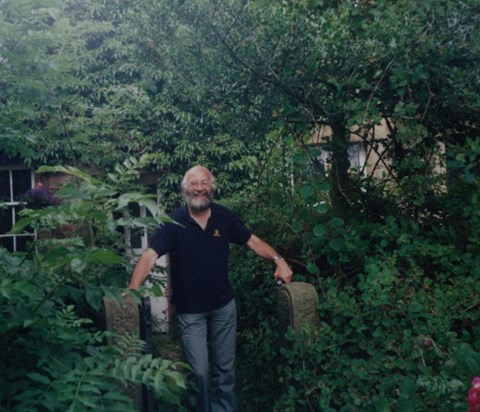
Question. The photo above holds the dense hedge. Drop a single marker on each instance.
(399, 304)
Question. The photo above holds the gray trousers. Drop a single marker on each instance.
(212, 336)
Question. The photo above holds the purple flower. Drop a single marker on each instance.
(39, 197)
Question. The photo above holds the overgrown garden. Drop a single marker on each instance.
(107, 90)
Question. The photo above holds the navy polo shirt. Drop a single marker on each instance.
(199, 258)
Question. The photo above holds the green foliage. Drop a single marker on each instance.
(55, 360)
(241, 86)
(98, 82)
(398, 301)
(53, 354)
(398, 338)
(90, 222)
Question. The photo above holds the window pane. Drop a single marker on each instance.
(135, 233)
(356, 155)
(22, 181)
(5, 186)
(7, 243)
(136, 238)
(23, 243)
(134, 209)
(5, 220)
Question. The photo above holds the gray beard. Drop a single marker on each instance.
(198, 205)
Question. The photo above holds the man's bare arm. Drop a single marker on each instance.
(143, 268)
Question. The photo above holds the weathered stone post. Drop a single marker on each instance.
(297, 306)
(124, 320)
(131, 319)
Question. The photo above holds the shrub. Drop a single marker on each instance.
(398, 302)
(53, 355)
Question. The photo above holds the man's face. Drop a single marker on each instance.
(198, 192)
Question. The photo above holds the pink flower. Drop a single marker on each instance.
(474, 395)
(427, 342)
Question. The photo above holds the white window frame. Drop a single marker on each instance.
(159, 305)
(12, 203)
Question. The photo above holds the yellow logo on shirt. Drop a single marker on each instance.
(216, 233)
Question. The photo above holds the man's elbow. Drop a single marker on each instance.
(149, 255)
(252, 242)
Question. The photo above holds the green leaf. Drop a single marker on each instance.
(336, 244)
(312, 268)
(320, 230)
(322, 207)
(34, 376)
(103, 256)
(337, 222)
(156, 290)
(135, 371)
(307, 191)
(78, 265)
(297, 227)
(91, 402)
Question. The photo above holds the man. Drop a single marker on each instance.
(201, 292)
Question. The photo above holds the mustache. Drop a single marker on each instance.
(192, 196)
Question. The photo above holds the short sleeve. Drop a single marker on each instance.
(162, 240)
(239, 232)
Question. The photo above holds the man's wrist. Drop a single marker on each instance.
(277, 257)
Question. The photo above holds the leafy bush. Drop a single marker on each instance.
(53, 355)
(398, 303)
(55, 360)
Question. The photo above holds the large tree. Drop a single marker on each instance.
(206, 81)
(342, 64)
(95, 82)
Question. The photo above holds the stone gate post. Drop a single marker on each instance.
(131, 319)
(297, 306)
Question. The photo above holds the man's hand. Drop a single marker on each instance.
(263, 249)
(283, 271)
